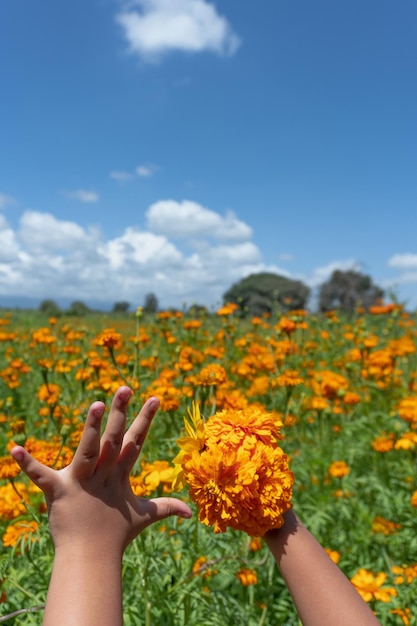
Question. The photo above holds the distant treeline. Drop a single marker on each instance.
(258, 294)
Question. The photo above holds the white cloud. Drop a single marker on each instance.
(42, 231)
(139, 248)
(83, 195)
(190, 219)
(403, 261)
(6, 201)
(121, 176)
(50, 258)
(144, 171)
(155, 27)
(45, 257)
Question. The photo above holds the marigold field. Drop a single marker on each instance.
(345, 390)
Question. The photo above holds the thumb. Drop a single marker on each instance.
(156, 509)
(44, 477)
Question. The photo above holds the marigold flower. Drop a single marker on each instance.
(318, 403)
(413, 499)
(384, 443)
(405, 615)
(369, 586)
(404, 574)
(8, 467)
(329, 384)
(236, 473)
(247, 577)
(108, 338)
(49, 393)
(407, 441)
(227, 309)
(213, 374)
(407, 409)
(338, 469)
(289, 378)
(255, 544)
(351, 398)
(18, 531)
(384, 526)
(200, 566)
(286, 324)
(43, 335)
(333, 554)
(12, 500)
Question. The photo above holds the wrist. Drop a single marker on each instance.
(88, 551)
(276, 538)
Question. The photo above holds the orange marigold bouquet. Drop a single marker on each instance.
(236, 473)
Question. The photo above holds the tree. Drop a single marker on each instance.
(151, 303)
(121, 307)
(78, 308)
(256, 294)
(348, 290)
(50, 308)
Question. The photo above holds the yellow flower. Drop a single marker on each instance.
(194, 441)
(333, 554)
(227, 309)
(289, 378)
(108, 338)
(21, 530)
(49, 393)
(12, 501)
(405, 615)
(237, 449)
(369, 586)
(247, 577)
(407, 409)
(384, 526)
(384, 443)
(235, 428)
(338, 469)
(407, 573)
(255, 544)
(8, 467)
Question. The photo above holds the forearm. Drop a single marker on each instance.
(85, 589)
(322, 594)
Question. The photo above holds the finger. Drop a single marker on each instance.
(134, 438)
(157, 509)
(44, 477)
(112, 439)
(88, 451)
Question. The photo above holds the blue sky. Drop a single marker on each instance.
(175, 146)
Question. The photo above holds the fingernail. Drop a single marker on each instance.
(153, 403)
(98, 410)
(124, 394)
(17, 454)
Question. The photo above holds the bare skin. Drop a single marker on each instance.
(94, 515)
(322, 594)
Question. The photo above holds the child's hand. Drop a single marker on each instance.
(90, 502)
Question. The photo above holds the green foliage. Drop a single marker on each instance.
(50, 308)
(260, 293)
(121, 307)
(347, 291)
(150, 304)
(78, 308)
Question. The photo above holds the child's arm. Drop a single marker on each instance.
(94, 515)
(322, 595)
